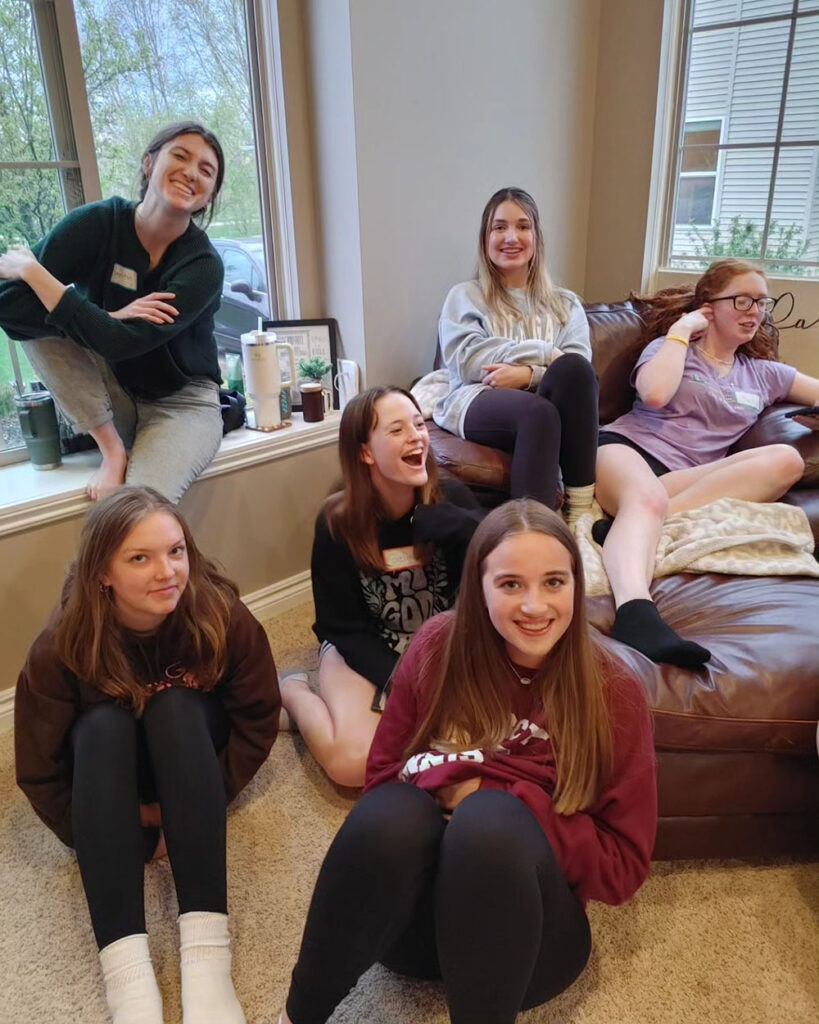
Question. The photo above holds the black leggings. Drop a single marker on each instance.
(480, 901)
(553, 428)
(118, 759)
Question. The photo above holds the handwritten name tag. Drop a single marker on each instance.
(124, 276)
(750, 399)
(400, 558)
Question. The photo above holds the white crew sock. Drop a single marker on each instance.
(578, 503)
(130, 983)
(208, 996)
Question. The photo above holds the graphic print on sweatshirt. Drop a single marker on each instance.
(403, 600)
(523, 733)
(532, 325)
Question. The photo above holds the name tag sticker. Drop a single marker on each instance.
(750, 399)
(124, 276)
(400, 558)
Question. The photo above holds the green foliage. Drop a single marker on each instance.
(145, 62)
(313, 369)
(6, 400)
(743, 239)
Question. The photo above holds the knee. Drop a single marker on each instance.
(178, 706)
(785, 466)
(575, 371)
(491, 829)
(347, 765)
(649, 499)
(103, 729)
(394, 821)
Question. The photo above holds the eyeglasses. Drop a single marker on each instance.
(742, 303)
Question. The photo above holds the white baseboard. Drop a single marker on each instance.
(6, 709)
(264, 604)
(280, 597)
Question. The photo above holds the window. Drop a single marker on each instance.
(745, 178)
(699, 161)
(84, 86)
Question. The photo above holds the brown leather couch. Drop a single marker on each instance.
(738, 771)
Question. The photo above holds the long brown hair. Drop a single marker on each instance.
(89, 637)
(352, 514)
(668, 305)
(468, 707)
(168, 134)
(543, 296)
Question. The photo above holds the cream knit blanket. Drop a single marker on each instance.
(742, 538)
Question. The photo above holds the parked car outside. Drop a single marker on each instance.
(244, 292)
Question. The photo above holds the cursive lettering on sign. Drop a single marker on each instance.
(784, 308)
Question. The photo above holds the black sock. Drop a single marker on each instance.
(600, 530)
(638, 624)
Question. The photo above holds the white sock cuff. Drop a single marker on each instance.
(202, 928)
(126, 952)
(581, 494)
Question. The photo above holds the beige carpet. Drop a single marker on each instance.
(704, 943)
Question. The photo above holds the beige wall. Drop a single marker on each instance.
(257, 522)
(446, 102)
(626, 98)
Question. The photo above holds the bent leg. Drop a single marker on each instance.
(378, 866)
(570, 384)
(176, 438)
(528, 426)
(338, 723)
(511, 934)
(191, 795)
(80, 386)
(759, 474)
(628, 490)
(107, 829)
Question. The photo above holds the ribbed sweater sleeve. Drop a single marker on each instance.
(195, 279)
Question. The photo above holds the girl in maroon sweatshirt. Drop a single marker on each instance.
(511, 779)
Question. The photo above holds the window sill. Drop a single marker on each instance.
(33, 497)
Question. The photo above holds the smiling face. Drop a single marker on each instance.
(397, 448)
(182, 175)
(148, 572)
(528, 588)
(732, 326)
(510, 242)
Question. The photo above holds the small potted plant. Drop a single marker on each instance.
(311, 385)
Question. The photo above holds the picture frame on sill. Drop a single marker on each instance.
(311, 339)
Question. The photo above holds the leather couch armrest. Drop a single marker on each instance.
(773, 427)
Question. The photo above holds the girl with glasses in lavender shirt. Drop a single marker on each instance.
(703, 381)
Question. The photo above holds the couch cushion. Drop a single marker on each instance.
(475, 464)
(760, 690)
(773, 427)
(617, 335)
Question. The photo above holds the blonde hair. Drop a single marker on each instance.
(469, 706)
(542, 295)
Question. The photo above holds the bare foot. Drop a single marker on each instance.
(110, 475)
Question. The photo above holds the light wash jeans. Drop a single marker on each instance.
(169, 440)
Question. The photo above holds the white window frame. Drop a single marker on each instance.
(70, 120)
(671, 101)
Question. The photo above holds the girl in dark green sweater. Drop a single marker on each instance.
(115, 308)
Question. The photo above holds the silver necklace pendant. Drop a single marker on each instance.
(524, 680)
